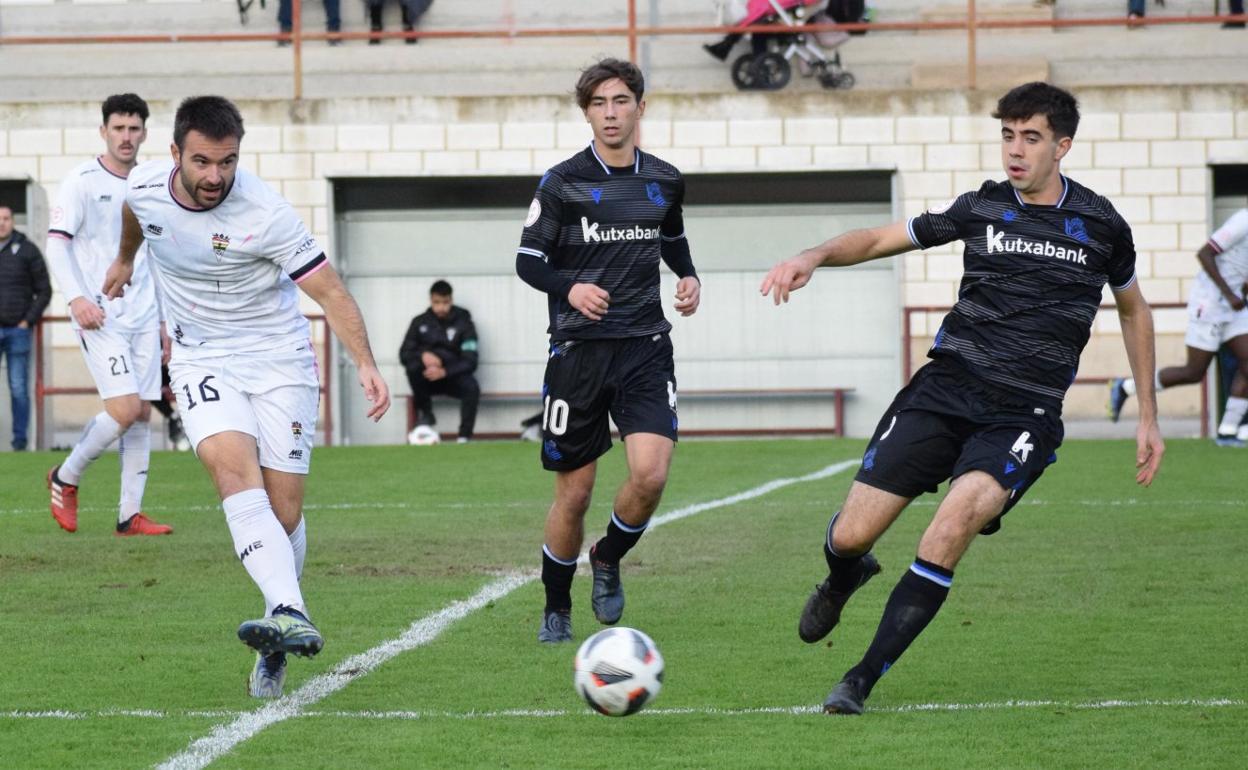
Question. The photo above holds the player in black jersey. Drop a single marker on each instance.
(986, 411)
(597, 229)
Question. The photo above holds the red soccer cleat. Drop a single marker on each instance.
(64, 502)
(138, 524)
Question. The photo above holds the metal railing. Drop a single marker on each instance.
(632, 30)
(907, 355)
(43, 390)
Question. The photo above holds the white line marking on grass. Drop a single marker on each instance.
(1008, 705)
(223, 738)
(930, 502)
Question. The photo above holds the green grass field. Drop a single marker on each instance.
(1103, 627)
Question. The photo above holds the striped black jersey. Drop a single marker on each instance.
(609, 226)
(1032, 281)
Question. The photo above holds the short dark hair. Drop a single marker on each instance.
(213, 116)
(1058, 106)
(124, 104)
(607, 69)
(441, 288)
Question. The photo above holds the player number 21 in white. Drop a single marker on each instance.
(555, 416)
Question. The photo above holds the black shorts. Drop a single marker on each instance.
(633, 380)
(946, 422)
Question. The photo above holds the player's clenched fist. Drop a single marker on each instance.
(590, 300)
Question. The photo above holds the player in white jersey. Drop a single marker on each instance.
(1217, 314)
(120, 339)
(227, 253)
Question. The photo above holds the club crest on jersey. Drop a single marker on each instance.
(220, 243)
(1076, 229)
(655, 194)
(296, 428)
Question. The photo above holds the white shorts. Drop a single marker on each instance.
(273, 396)
(122, 363)
(1211, 324)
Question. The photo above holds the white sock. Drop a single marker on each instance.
(1233, 416)
(1128, 386)
(96, 437)
(135, 448)
(261, 544)
(1157, 386)
(299, 544)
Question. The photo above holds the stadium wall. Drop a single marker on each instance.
(1149, 150)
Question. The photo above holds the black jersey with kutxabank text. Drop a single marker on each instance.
(608, 226)
(1031, 285)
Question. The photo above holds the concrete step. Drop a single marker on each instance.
(1172, 55)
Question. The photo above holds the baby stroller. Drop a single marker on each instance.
(767, 66)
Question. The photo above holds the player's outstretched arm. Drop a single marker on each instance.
(122, 269)
(847, 249)
(345, 319)
(1137, 335)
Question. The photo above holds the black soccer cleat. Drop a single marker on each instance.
(823, 609)
(608, 595)
(556, 627)
(846, 698)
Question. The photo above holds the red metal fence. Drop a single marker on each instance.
(633, 31)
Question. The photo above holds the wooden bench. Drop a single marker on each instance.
(835, 395)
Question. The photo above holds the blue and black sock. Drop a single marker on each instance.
(912, 605)
(557, 577)
(619, 540)
(843, 569)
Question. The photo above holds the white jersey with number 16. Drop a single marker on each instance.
(227, 275)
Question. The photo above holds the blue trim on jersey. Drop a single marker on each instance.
(627, 527)
(1126, 285)
(910, 232)
(533, 253)
(924, 572)
(672, 238)
(556, 559)
(606, 168)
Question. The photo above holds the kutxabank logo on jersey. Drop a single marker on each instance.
(593, 232)
(1004, 243)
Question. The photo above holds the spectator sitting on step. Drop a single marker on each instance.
(440, 356)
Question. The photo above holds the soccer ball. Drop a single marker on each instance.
(423, 435)
(618, 671)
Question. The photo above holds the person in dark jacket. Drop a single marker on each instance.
(24, 294)
(440, 356)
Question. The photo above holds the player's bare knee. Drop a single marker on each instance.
(649, 482)
(849, 537)
(124, 410)
(573, 500)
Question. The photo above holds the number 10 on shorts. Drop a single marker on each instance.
(555, 415)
